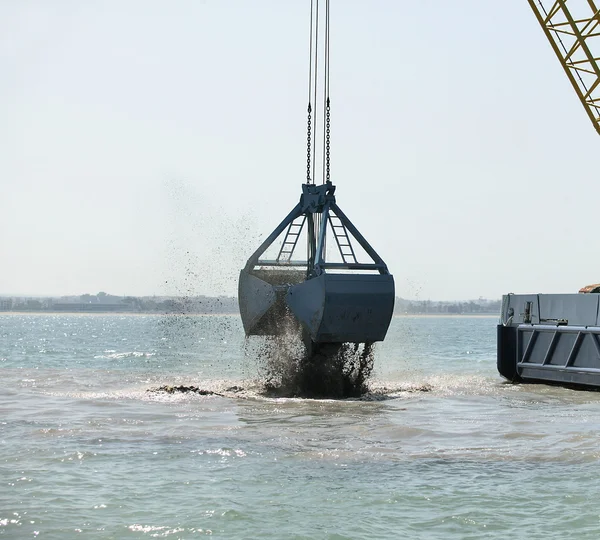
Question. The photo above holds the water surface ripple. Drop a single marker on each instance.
(441, 448)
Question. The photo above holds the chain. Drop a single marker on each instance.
(326, 105)
(308, 144)
(327, 138)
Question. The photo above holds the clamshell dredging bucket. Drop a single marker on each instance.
(331, 302)
(338, 308)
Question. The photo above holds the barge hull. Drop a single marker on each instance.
(551, 338)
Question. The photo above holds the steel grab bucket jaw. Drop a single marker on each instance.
(261, 298)
(340, 308)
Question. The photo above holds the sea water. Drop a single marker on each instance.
(442, 447)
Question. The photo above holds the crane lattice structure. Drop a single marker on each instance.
(574, 32)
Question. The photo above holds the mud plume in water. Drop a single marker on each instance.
(331, 371)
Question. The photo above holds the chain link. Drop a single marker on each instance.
(308, 143)
(327, 139)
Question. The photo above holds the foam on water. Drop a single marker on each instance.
(185, 388)
(112, 354)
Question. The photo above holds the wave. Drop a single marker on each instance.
(113, 355)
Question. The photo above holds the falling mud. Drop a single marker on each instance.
(287, 368)
(331, 371)
(337, 371)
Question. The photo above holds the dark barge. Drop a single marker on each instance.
(551, 338)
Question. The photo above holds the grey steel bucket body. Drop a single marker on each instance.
(344, 307)
(330, 302)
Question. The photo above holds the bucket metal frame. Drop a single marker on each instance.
(331, 302)
(317, 200)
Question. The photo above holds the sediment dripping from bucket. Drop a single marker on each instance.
(336, 371)
(332, 371)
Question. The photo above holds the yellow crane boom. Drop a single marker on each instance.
(574, 31)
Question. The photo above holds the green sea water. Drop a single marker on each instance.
(441, 448)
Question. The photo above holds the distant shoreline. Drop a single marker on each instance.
(207, 305)
(117, 313)
(171, 314)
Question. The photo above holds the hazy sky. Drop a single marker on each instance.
(148, 146)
